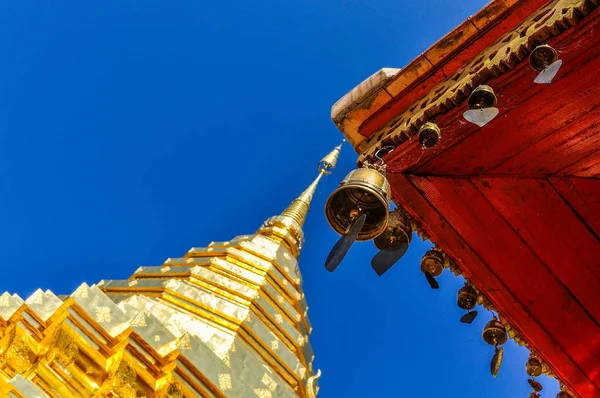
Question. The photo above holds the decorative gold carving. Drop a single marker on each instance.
(262, 393)
(225, 382)
(103, 315)
(269, 382)
(502, 56)
(311, 389)
(170, 390)
(63, 347)
(122, 382)
(16, 353)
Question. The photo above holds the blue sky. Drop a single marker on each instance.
(131, 131)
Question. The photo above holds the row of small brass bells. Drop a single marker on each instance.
(533, 367)
(432, 265)
(467, 300)
(494, 333)
(393, 242)
(482, 106)
(358, 210)
(364, 190)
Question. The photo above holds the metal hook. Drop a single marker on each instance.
(388, 149)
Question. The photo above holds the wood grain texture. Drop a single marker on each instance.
(553, 231)
(586, 167)
(583, 195)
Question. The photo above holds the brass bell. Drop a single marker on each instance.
(494, 333)
(482, 97)
(542, 56)
(467, 297)
(533, 366)
(482, 106)
(432, 262)
(429, 135)
(397, 232)
(432, 265)
(363, 191)
(467, 300)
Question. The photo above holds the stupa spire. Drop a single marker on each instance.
(298, 209)
(288, 225)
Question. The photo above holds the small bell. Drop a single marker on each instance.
(533, 366)
(564, 392)
(544, 59)
(393, 242)
(494, 333)
(432, 265)
(429, 135)
(397, 232)
(363, 191)
(467, 300)
(482, 106)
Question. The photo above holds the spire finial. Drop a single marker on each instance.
(293, 217)
(327, 164)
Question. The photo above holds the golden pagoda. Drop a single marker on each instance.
(227, 320)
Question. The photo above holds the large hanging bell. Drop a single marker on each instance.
(363, 191)
(494, 333)
(397, 232)
(433, 263)
(533, 366)
(467, 297)
(482, 97)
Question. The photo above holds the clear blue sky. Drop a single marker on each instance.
(131, 131)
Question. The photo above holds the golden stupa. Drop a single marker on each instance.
(228, 320)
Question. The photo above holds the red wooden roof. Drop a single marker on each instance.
(515, 203)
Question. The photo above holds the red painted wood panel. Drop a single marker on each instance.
(476, 270)
(525, 125)
(583, 195)
(586, 167)
(552, 230)
(557, 151)
(511, 88)
(530, 281)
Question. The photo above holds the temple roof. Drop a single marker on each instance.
(363, 110)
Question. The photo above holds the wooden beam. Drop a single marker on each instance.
(476, 270)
